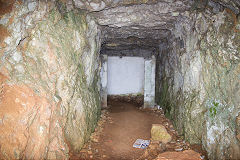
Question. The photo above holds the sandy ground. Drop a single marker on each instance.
(119, 128)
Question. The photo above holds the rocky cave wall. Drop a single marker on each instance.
(49, 73)
(198, 75)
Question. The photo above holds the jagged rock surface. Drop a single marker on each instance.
(198, 78)
(49, 80)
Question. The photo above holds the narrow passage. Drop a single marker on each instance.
(118, 129)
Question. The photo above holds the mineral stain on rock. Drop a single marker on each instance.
(4, 33)
(6, 6)
(28, 125)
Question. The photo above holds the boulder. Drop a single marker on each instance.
(159, 133)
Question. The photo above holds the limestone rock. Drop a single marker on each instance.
(238, 127)
(27, 123)
(159, 133)
(185, 155)
(238, 137)
(193, 81)
(49, 70)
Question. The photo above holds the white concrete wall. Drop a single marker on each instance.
(125, 75)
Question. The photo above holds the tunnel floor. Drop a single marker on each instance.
(118, 129)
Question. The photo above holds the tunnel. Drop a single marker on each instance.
(65, 62)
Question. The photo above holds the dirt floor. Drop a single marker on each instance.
(118, 129)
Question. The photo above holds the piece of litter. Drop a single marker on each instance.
(159, 107)
(178, 149)
(140, 143)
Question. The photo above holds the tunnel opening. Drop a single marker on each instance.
(125, 79)
(129, 76)
(54, 74)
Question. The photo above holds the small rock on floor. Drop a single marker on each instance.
(159, 133)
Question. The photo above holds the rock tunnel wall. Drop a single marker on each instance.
(198, 80)
(49, 75)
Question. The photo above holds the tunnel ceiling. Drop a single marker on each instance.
(99, 5)
(128, 24)
(139, 25)
(155, 16)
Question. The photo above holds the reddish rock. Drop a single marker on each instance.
(238, 137)
(6, 6)
(28, 125)
(4, 33)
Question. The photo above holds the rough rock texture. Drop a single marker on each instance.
(198, 80)
(185, 155)
(238, 127)
(159, 133)
(131, 46)
(156, 15)
(49, 80)
(198, 66)
(98, 5)
(140, 32)
(49, 69)
(153, 19)
(130, 98)
(149, 21)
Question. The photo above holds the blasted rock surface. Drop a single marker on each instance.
(160, 14)
(199, 78)
(98, 5)
(49, 80)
